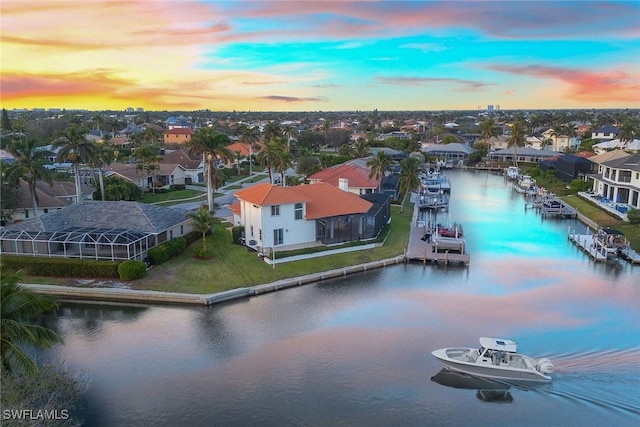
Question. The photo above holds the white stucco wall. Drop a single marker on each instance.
(259, 219)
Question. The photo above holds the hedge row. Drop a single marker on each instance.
(61, 267)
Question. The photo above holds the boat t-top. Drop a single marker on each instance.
(497, 358)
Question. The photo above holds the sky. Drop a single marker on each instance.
(319, 55)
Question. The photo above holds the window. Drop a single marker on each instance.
(298, 211)
(181, 230)
(170, 234)
(278, 236)
(251, 231)
(275, 210)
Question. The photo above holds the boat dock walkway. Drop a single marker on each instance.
(598, 252)
(551, 205)
(425, 246)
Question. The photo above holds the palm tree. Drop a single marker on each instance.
(202, 221)
(361, 149)
(149, 161)
(409, 176)
(103, 156)
(30, 159)
(271, 131)
(75, 148)
(250, 135)
(517, 139)
(627, 132)
(488, 129)
(269, 154)
(283, 161)
(378, 166)
(18, 306)
(212, 146)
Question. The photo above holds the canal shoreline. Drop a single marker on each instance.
(143, 296)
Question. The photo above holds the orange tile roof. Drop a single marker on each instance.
(323, 200)
(357, 175)
(241, 148)
(327, 201)
(266, 194)
(235, 208)
(179, 131)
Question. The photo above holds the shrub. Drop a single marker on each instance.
(235, 233)
(200, 252)
(132, 270)
(178, 186)
(633, 215)
(167, 250)
(191, 237)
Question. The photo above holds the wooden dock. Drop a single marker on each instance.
(551, 205)
(598, 252)
(425, 247)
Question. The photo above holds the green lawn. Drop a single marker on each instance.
(234, 266)
(171, 195)
(604, 219)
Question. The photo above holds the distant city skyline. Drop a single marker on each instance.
(319, 55)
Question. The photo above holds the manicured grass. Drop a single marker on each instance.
(171, 195)
(234, 266)
(604, 219)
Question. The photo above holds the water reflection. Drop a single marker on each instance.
(487, 390)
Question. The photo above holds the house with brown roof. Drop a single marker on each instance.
(166, 174)
(177, 135)
(192, 164)
(356, 176)
(49, 198)
(304, 215)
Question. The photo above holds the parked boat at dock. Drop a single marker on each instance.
(527, 185)
(433, 181)
(512, 173)
(436, 200)
(496, 358)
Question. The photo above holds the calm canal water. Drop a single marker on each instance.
(356, 351)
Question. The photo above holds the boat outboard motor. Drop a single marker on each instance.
(545, 366)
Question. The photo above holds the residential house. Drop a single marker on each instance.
(192, 164)
(560, 143)
(569, 167)
(499, 142)
(178, 135)
(618, 180)
(616, 144)
(524, 154)
(130, 172)
(356, 176)
(50, 197)
(96, 230)
(393, 154)
(304, 215)
(454, 151)
(605, 133)
(391, 186)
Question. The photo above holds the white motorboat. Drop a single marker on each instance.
(497, 359)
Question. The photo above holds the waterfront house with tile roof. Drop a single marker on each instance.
(305, 215)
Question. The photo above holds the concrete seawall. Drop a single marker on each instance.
(133, 295)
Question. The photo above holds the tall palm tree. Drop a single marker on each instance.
(517, 139)
(378, 166)
(269, 154)
(409, 176)
(283, 161)
(148, 158)
(271, 131)
(202, 221)
(212, 146)
(18, 307)
(30, 159)
(488, 129)
(74, 147)
(250, 135)
(103, 156)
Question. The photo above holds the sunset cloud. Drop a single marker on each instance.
(222, 55)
